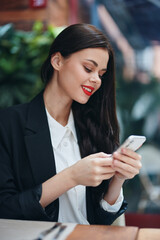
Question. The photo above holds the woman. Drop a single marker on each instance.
(55, 162)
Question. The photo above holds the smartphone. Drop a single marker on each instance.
(133, 142)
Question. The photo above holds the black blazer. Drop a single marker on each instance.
(27, 160)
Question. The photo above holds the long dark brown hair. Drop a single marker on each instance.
(96, 121)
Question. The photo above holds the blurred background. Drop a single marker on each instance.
(27, 28)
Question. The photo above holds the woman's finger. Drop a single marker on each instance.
(125, 168)
(130, 153)
(128, 160)
(105, 161)
(107, 176)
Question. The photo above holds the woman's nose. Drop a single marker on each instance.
(95, 79)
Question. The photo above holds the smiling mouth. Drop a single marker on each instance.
(87, 90)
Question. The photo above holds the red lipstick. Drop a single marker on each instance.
(87, 90)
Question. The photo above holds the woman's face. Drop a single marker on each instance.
(79, 75)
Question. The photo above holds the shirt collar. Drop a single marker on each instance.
(58, 131)
(71, 125)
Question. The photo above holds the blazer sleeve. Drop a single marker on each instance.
(95, 213)
(107, 218)
(16, 203)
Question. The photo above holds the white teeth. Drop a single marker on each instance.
(88, 89)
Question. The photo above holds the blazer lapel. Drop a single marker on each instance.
(38, 141)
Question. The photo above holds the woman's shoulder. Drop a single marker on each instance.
(18, 114)
(15, 109)
(13, 113)
(19, 109)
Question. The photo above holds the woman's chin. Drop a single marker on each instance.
(82, 101)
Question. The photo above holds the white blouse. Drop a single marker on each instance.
(72, 204)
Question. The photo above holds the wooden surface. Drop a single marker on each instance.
(29, 230)
(18, 12)
(97, 232)
(13, 4)
(149, 234)
(17, 229)
(27, 14)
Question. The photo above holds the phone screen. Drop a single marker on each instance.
(133, 142)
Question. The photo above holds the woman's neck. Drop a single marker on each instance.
(57, 105)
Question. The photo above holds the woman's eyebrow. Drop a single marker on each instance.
(96, 64)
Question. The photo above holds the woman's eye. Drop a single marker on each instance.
(87, 69)
(100, 76)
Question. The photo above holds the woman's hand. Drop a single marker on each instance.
(92, 170)
(126, 164)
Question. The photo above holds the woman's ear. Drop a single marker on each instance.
(56, 60)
